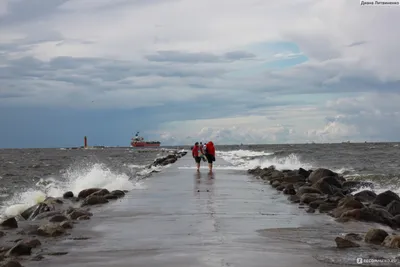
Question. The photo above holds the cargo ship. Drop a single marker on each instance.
(138, 141)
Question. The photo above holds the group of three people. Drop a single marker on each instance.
(205, 152)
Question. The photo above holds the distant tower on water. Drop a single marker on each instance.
(85, 142)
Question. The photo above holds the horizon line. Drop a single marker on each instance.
(183, 145)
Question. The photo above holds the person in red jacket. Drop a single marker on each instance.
(196, 156)
(210, 154)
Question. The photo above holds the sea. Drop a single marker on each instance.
(28, 176)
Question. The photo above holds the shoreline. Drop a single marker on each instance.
(29, 236)
(322, 191)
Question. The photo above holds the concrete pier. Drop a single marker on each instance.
(189, 219)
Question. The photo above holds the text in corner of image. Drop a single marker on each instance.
(380, 3)
(382, 261)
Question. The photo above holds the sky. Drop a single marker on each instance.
(180, 71)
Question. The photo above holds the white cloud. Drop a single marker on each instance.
(137, 53)
(372, 117)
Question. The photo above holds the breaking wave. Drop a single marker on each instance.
(247, 159)
(74, 179)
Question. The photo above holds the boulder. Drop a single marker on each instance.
(110, 196)
(47, 214)
(19, 250)
(321, 173)
(118, 193)
(169, 161)
(332, 181)
(323, 186)
(394, 207)
(293, 179)
(50, 230)
(375, 206)
(49, 204)
(11, 263)
(33, 243)
(275, 183)
(345, 243)
(289, 190)
(315, 204)
(83, 218)
(396, 219)
(310, 210)
(254, 171)
(94, 200)
(346, 204)
(365, 196)
(271, 174)
(326, 207)
(351, 186)
(280, 187)
(300, 184)
(74, 214)
(303, 172)
(377, 215)
(353, 236)
(52, 201)
(58, 218)
(391, 241)
(86, 192)
(66, 225)
(307, 190)
(28, 229)
(385, 198)
(310, 197)
(165, 160)
(68, 194)
(33, 211)
(294, 199)
(369, 215)
(101, 192)
(9, 223)
(336, 198)
(375, 236)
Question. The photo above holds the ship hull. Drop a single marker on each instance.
(144, 144)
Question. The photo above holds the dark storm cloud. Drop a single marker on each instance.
(93, 74)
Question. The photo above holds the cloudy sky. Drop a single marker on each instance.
(234, 71)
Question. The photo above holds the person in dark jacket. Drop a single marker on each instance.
(196, 156)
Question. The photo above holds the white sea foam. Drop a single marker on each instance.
(380, 186)
(247, 159)
(135, 166)
(379, 189)
(74, 179)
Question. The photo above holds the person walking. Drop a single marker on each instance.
(210, 154)
(196, 156)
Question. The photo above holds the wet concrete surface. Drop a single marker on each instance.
(184, 218)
